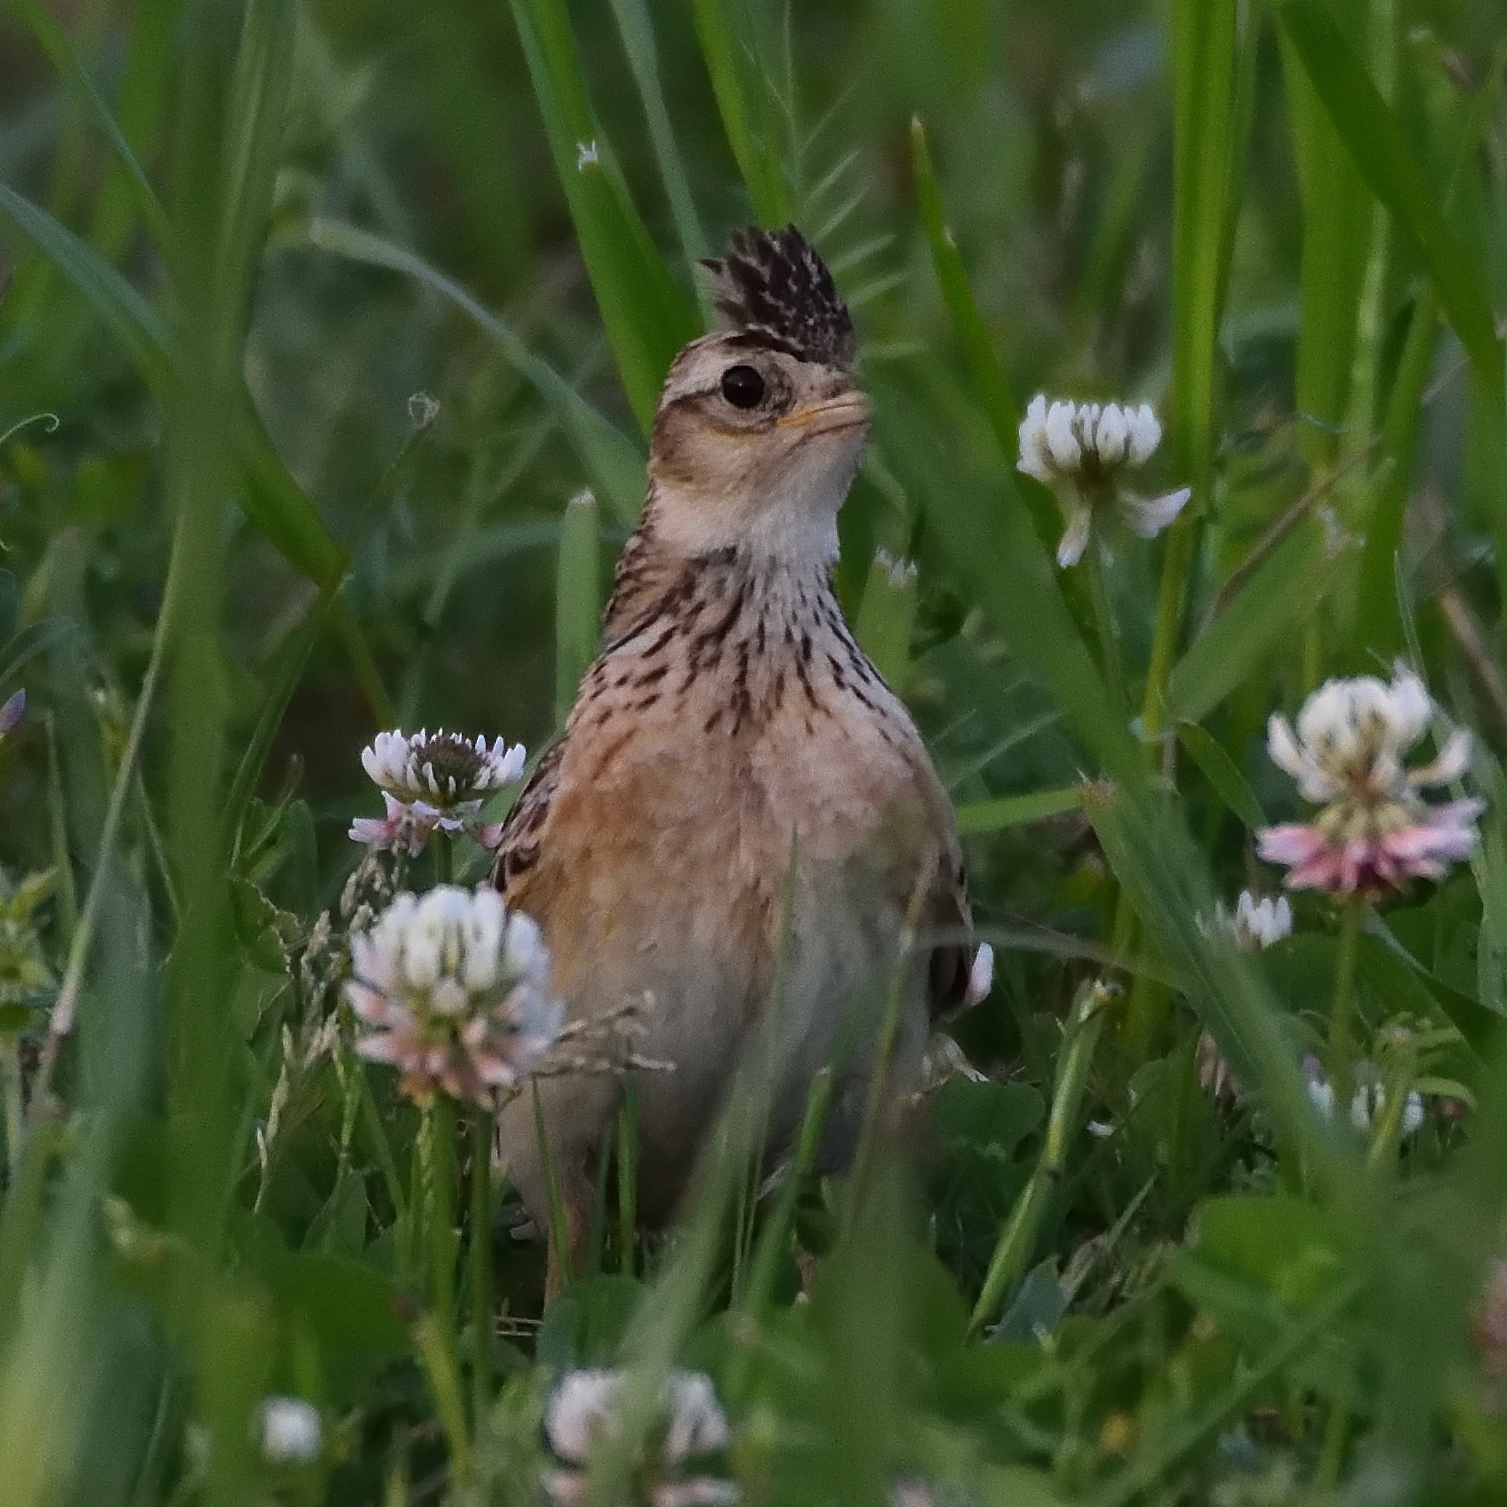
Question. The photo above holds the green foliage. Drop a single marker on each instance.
(1128, 1261)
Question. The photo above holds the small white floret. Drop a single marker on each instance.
(289, 1431)
(980, 976)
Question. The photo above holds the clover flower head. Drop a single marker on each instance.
(584, 1408)
(12, 711)
(434, 781)
(1081, 451)
(1374, 831)
(452, 989)
(289, 1431)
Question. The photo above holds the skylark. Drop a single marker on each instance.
(737, 791)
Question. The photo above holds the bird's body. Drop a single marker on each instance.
(737, 792)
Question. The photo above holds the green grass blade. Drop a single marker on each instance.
(613, 463)
(260, 87)
(1281, 591)
(1203, 67)
(1336, 228)
(647, 317)
(1205, 118)
(272, 500)
(637, 30)
(578, 599)
(977, 818)
(1379, 148)
(887, 616)
(55, 43)
(752, 149)
(1220, 771)
(984, 369)
(118, 306)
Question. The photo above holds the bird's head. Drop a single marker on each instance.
(760, 427)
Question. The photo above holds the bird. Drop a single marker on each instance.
(739, 806)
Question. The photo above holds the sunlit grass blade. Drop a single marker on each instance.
(578, 599)
(613, 463)
(647, 317)
(1379, 148)
(754, 151)
(977, 818)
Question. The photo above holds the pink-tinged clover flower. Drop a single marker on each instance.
(434, 782)
(1375, 831)
(452, 989)
(1082, 451)
(673, 1468)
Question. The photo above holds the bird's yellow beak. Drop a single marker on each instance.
(846, 411)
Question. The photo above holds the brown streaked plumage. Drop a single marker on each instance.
(730, 720)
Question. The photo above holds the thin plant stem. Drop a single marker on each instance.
(1018, 1238)
(889, 1033)
(1342, 1007)
(66, 1008)
(1169, 611)
(1108, 626)
(10, 1088)
(627, 1178)
(482, 1129)
(444, 857)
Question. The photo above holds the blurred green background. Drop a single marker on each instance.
(242, 241)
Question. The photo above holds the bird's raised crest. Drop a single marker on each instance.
(772, 284)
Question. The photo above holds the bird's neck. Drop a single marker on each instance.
(755, 589)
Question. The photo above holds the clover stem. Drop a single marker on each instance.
(1342, 1007)
(1109, 631)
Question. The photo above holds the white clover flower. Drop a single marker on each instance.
(289, 1431)
(1081, 451)
(1258, 923)
(453, 990)
(434, 781)
(584, 1408)
(1375, 831)
(12, 712)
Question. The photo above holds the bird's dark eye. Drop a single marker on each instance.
(742, 386)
